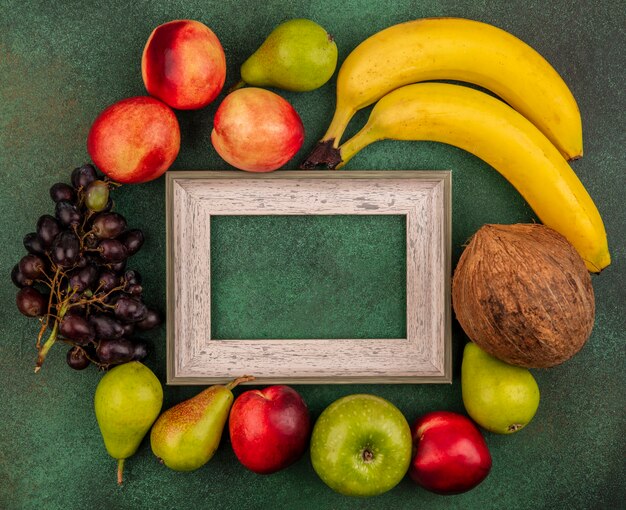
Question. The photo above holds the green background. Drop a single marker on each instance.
(308, 277)
(62, 62)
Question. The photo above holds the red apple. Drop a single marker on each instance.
(450, 454)
(256, 130)
(269, 429)
(183, 64)
(134, 140)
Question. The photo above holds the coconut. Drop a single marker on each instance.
(523, 294)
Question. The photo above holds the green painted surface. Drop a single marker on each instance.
(308, 277)
(63, 62)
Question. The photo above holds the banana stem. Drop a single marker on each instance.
(120, 471)
(239, 380)
(362, 139)
(325, 154)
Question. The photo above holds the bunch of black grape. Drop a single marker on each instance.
(74, 277)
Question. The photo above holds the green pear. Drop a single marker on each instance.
(499, 397)
(186, 436)
(127, 401)
(299, 55)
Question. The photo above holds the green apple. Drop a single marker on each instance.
(361, 445)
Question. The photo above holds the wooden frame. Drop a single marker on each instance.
(423, 197)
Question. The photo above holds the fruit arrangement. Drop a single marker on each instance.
(75, 281)
(522, 293)
(461, 50)
(528, 142)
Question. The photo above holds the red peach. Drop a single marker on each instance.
(183, 64)
(256, 130)
(450, 454)
(134, 140)
(269, 428)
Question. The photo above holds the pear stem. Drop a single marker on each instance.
(239, 380)
(120, 471)
(236, 86)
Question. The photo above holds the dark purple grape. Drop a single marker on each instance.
(77, 358)
(129, 329)
(111, 250)
(118, 267)
(61, 191)
(151, 320)
(67, 213)
(129, 309)
(111, 298)
(106, 327)
(83, 278)
(132, 240)
(34, 244)
(108, 280)
(91, 241)
(65, 250)
(132, 277)
(47, 229)
(18, 279)
(132, 282)
(134, 290)
(119, 350)
(97, 196)
(31, 302)
(108, 225)
(93, 259)
(140, 350)
(82, 262)
(32, 266)
(77, 329)
(83, 176)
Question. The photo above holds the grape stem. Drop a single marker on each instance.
(96, 300)
(85, 220)
(44, 323)
(43, 351)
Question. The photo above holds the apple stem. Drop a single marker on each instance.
(239, 380)
(368, 456)
(120, 471)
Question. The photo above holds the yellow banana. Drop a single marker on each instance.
(454, 49)
(493, 131)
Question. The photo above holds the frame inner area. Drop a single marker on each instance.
(308, 277)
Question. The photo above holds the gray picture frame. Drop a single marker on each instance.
(192, 197)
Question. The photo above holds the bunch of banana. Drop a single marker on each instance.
(526, 142)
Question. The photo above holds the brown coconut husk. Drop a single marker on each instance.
(523, 294)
